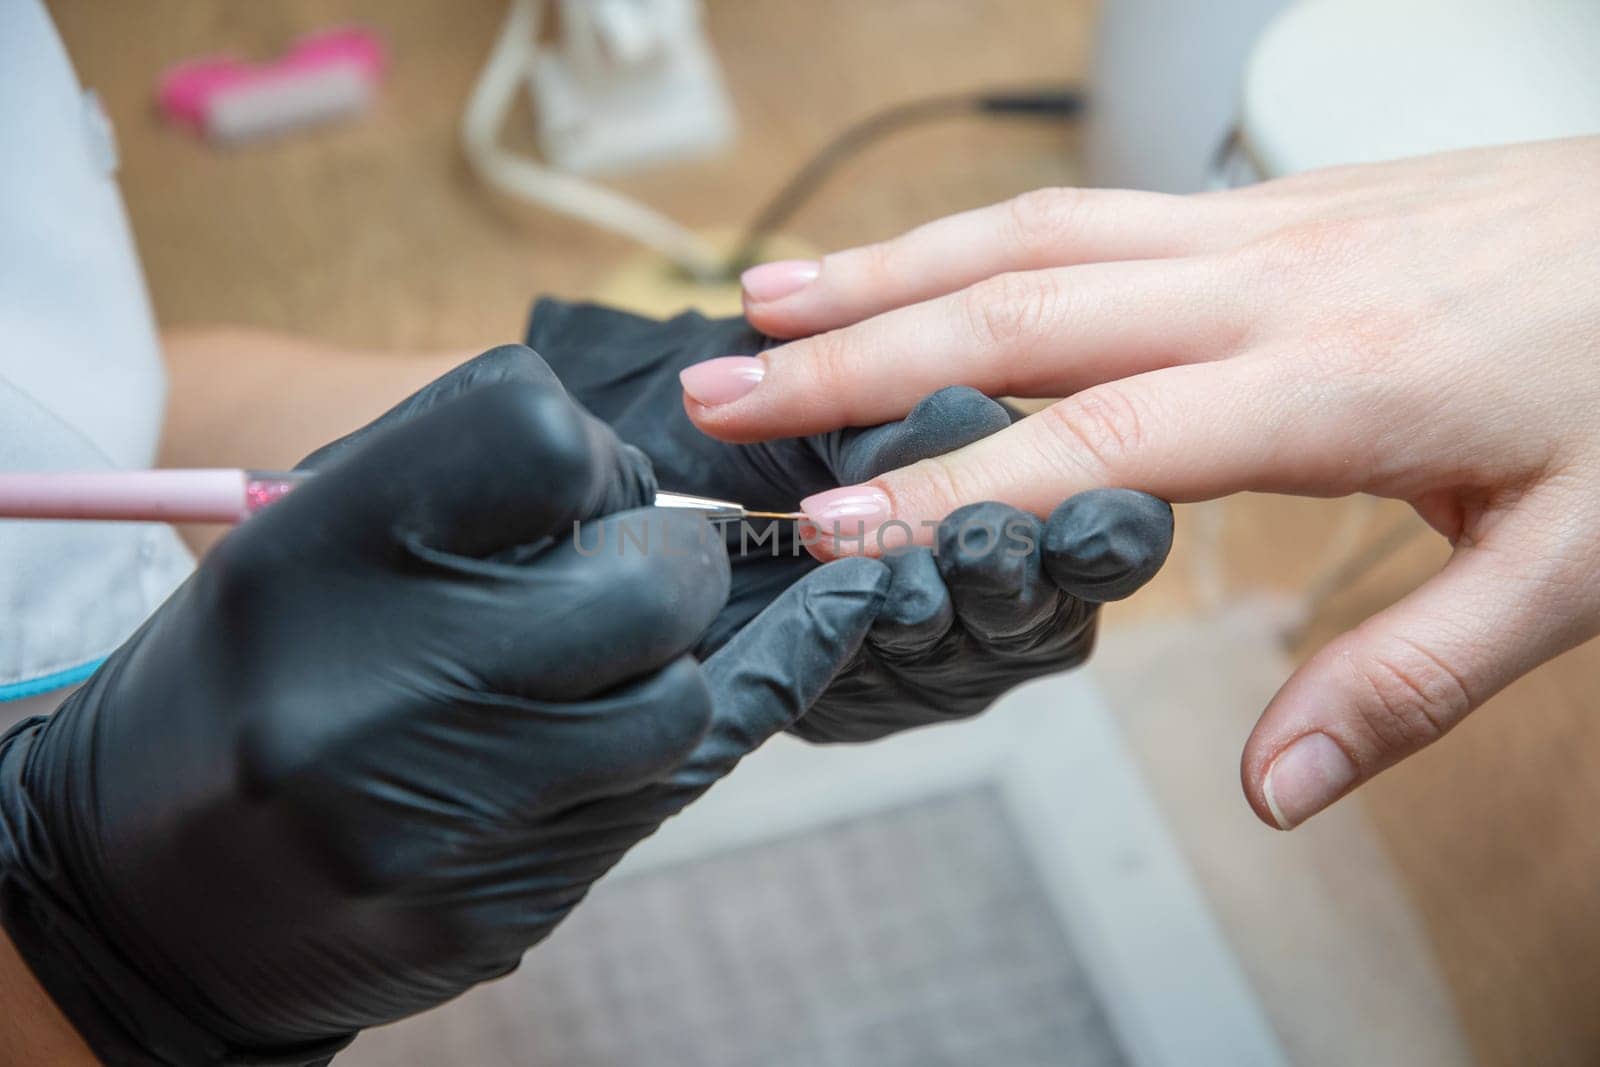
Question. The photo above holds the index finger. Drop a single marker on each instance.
(1041, 333)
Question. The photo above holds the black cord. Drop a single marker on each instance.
(1052, 103)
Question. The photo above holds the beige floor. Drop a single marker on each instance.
(375, 235)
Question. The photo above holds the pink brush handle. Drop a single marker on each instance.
(140, 496)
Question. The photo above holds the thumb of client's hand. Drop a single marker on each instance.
(331, 782)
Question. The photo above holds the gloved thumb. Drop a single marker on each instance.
(503, 363)
(501, 466)
(775, 668)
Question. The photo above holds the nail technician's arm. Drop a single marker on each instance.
(33, 1029)
(1427, 330)
(241, 397)
(389, 733)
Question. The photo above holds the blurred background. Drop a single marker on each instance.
(1444, 915)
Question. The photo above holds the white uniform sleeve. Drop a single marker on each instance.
(81, 382)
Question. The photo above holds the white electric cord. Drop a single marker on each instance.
(525, 178)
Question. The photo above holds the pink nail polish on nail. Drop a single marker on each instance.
(852, 509)
(774, 281)
(722, 380)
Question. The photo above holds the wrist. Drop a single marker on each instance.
(34, 1030)
(97, 992)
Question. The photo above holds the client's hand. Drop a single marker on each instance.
(1003, 601)
(389, 733)
(1425, 329)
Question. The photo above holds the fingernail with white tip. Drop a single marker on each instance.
(774, 281)
(722, 380)
(1306, 777)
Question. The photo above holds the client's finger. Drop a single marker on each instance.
(1039, 333)
(1184, 433)
(1043, 228)
(776, 667)
(1408, 675)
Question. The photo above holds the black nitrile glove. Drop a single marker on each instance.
(959, 628)
(1004, 599)
(389, 733)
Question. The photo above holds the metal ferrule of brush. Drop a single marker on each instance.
(711, 507)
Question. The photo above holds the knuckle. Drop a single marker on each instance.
(530, 422)
(506, 363)
(1045, 221)
(1415, 697)
(1099, 428)
(1313, 242)
(237, 584)
(1375, 336)
(1011, 310)
(827, 361)
(652, 595)
(940, 483)
(876, 264)
(689, 710)
(1308, 254)
(674, 567)
(1354, 345)
(366, 870)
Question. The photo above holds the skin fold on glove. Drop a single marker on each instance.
(1004, 599)
(390, 732)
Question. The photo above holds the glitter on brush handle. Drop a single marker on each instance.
(268, 487)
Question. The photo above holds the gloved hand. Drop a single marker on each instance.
(960, 627)
(389, 733)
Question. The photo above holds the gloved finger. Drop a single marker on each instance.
(501, 466)
(1104, 544)
(575, 336)
(610, 600)
(506, 363)
(1397, 683)
(989, 557)
(609, 744)
(917, 610)
(776, 667)
(578, 625)
(482, 763)
(941, 422)
(614, 361)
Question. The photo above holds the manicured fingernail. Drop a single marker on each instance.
(848, 513)
(722, 380)
(1305, 778)
(774, 281)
